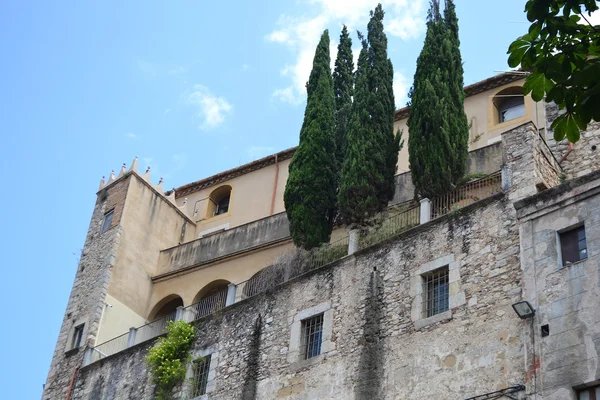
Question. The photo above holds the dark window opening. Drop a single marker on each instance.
(591, 393)
(201, 369)
(573, 246)
(107, 221)
(222, 206)
(77, 336)
(437, 292)
(511, 108)
(312, 336)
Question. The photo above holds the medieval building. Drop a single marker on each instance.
(491, 291)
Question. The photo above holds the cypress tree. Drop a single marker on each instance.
(310, 193)
(343, 87)
(457, 119)
(429, 145)
(360, 176)
(381, 106)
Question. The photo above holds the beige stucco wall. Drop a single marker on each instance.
(235, 270)
(480, 114)
(149, 223)
(116, 320)
(251, 197)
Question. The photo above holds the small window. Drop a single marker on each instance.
(201, 369)
(222, 206)
(312, 336)
(107, 220)
(573, 246)
(591, 393)
(77, 336)
(436, 292)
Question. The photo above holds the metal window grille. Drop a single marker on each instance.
(312, 335)
(77, 336)
(201, 368)
(436, 292)
(590, 393)
(107, 220)
(573, 245)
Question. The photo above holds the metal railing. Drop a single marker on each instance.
(110, 347)
(153, 329)
(391, 226)
(467, 194)
(206, 306)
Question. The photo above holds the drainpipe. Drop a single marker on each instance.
(275, 185)
(567, 153)
(72, 382)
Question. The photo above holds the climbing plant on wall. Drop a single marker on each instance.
(169, 357)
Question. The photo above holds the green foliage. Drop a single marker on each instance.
(562, 51)
(430, 145)
(439, 129)
(367, 177)
(169, 356)
(310, 193)
(343, 87)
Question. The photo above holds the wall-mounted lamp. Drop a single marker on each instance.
(523, 309)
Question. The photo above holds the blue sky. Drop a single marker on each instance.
(191, 87)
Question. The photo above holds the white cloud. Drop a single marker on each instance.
(401, 86)
(256, 152)
(404, 19)
(131, 135)
(211, 109)
(593, 19)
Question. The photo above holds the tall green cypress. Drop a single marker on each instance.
(310, 193)
(343, 87)
(381, 105)
(457, 119)
(429, 145)
(361, 175)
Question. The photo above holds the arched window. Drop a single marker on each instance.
(219, 201)
(210, 298)
(509, 104)
(165, 307)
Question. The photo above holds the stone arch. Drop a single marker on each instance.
(166, 306)
(211, 289)
(219, 200)
(509, 104)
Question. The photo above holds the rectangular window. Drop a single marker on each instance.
(573, 246)
(77, 336)
(312, 336)
(201, 368)
(436, 292)
(107, 220)
(592, 393)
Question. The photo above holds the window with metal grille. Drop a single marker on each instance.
(201, 368)
(77, 336)
(590, 393)
(107, 220)
(573, 246)
(436, 292)
(312, 335)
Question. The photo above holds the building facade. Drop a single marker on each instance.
(422, 310)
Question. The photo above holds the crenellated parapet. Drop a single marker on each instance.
(169, 196)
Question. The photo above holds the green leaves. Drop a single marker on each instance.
(563, 54)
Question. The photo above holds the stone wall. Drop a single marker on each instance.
(585, 156)
(566, 298)
(89, 290)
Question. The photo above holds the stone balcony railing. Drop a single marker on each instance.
(246, 237)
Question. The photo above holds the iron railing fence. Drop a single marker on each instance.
(154, 328)
(206, 306)
(391, 226)
(467, 194)
(109, 347)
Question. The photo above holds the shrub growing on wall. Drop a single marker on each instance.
(169, 356)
